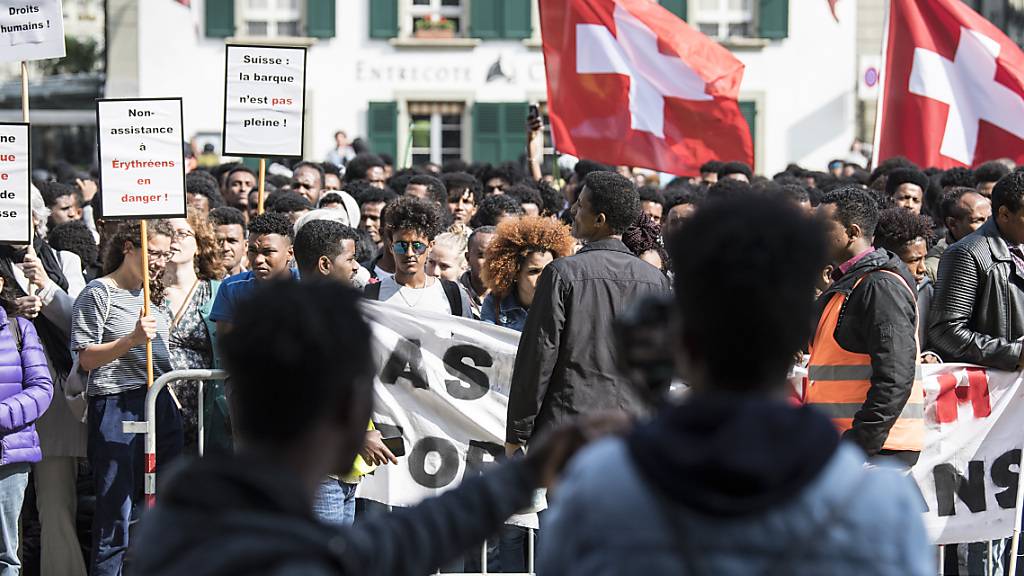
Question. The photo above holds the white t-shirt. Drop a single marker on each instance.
(432, 298)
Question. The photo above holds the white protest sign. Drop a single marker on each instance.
(443, 388)
(15, 200)
(31, 29)
(142, 158)
(264, 100)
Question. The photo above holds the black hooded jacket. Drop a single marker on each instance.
(879, 319)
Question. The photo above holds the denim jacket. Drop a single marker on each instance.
(512, 314)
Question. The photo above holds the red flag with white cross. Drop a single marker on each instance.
(631, 84)
(953, 90)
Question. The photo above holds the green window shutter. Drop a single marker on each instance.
(320, 18)
(382, 128)
(383, 18)
(517, 19)
(513, 116)
(749, 110)
(773, 19)
(252, 163)
(220, 18)
(485, 18)
(677, 7)
(487, 132)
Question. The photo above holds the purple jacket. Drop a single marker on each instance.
(25, 392)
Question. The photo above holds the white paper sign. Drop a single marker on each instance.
(15, 204)
(142, 158)
(31, 29)
(264, 100)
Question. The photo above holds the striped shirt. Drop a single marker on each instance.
(92, 324)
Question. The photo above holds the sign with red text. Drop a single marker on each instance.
(142, 157)
(15, 199)
(31, 29)
(264, 100)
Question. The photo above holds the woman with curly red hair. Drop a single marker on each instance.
(515, 258)
(192, 278)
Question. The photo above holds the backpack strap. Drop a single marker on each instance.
(454, 294)
(372, 291)
(16, 332)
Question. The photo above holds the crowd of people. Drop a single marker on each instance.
(908, 266)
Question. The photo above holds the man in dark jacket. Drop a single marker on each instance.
(566, 359)
(877, 324)
(978, 311)
(251, 513)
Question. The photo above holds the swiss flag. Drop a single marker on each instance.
(954, 87)
(631, 84)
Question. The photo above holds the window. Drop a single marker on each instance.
(725, 18)
(436, 18)
(436, 131)
(271, 18)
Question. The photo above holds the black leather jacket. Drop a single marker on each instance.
(977, 314)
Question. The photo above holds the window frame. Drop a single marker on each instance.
(724, 18)
(244, 15)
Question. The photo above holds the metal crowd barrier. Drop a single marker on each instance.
(148, 428)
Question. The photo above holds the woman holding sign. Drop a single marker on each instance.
(109, 333)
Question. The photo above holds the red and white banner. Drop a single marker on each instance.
(630, 83)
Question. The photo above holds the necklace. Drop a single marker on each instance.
(422, 292)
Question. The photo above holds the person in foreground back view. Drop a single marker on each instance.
(735, 479)
(251, 513)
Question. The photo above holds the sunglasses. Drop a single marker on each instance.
(402, 247)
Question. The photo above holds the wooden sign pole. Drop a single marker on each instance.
(262, 184)
(24, 118)
(144, 233)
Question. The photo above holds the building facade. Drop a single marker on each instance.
(442, 79)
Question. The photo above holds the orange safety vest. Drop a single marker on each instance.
(839, 380)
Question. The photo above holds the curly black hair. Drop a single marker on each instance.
(735, 168)
(1009, 192)
(360, 165)
(492, 208)
(684, 194)
(457, 183)
(651, 194)
(318, 168)
(890, 164)
(411, 213)
(51, 191)
(74, 236)
(271, 223)
(958, 177)
(727, 188)
(991, 172)
(854, 206)
(227, 215)
(554, 201)
(320, 238)
(525, 194)
(289, 202)
(644, 235)
(204, 184)
(507, 171)
(359, 188)
(435, 187)
(897, 227)
(614, 196)
(711, 166)
(376, 195)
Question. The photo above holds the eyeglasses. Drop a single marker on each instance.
(182, 234)
(160, 256)
(402, 247)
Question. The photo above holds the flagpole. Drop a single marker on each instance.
(876, 137)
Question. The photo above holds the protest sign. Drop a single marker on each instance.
(31, 29)
(264, 100)
(142, 159)
(15, 200)
(443, 388)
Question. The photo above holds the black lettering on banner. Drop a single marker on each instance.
(970, 490)
(472, 383)
(1003, 477)
(445, 473)
(405, 361)
(477, 460)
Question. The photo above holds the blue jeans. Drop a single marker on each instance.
(118, 466)
(335, 502)
(13, 482)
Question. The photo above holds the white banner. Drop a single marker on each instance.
(15, 201)
(142, 158)
(264, 100)
(31, 29)
(969, 468)
(443, 387)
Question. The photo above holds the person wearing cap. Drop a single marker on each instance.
(906, 187)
